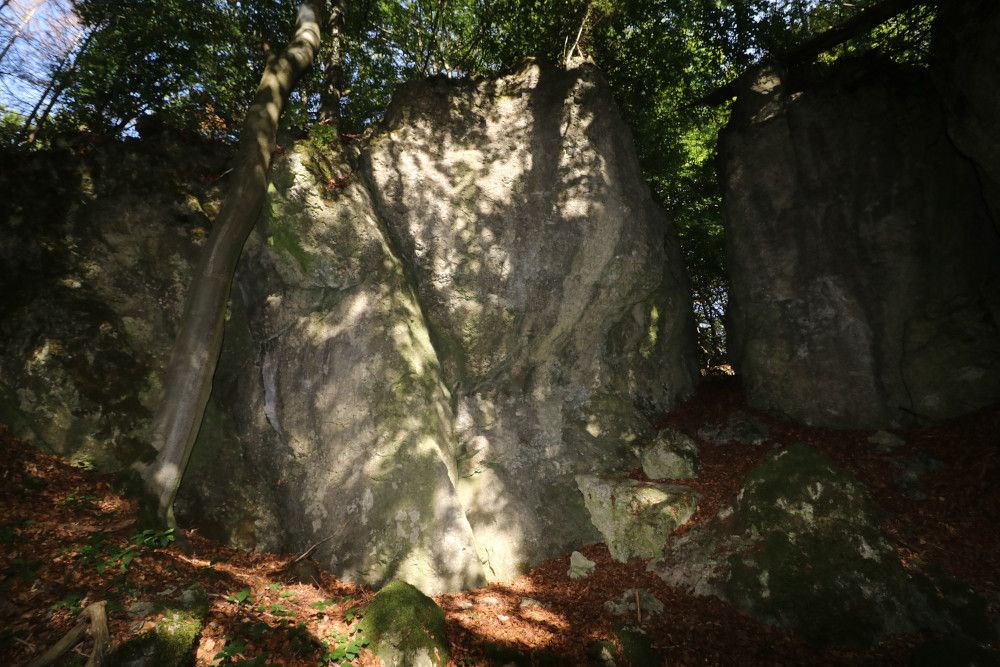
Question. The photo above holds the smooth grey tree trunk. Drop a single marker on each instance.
(188, 380)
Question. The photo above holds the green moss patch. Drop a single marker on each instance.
(405, 627)
(171, 642)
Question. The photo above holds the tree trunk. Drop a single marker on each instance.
(333, 70)
(188, 379)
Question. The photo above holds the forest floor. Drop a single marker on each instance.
(68, 538)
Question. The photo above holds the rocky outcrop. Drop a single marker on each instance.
(552, 286)
(801, 548)
(439, 345)
(864, 265)
(419, 357)
(95, 256)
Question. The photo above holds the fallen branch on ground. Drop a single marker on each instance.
(93, 621)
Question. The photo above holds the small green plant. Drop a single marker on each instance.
(233, 649)
(78, 501)
(278, 610)
(340, 648)
(241, 597)
(152, 539)
(275, 586)
(352, 613)
(70, 602)
(323, 604)
(232, 654)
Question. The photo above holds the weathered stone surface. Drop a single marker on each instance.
(864, 265)
(95, 254)
(672, 455)
(339, 408)
(635, 518)
(405, 627)
(967, 69)
(802, 549)
(540, 263)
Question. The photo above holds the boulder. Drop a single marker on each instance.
(636, 518)
(864, 264)
(420, 354)
(802, 549)
(672, 455)
(405, 627)
(552, 285)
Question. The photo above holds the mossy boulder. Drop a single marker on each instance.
(635, 518)
(405, 627)
(802, 549)
(171, 641)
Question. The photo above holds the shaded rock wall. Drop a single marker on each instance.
(863, 260)
(95, 256)
(967, 71)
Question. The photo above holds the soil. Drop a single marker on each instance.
(65, 534)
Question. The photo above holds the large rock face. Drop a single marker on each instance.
(95, 255)
(437, 353)
(551, 284)
(865, 268)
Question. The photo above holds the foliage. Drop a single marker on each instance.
(241, 597)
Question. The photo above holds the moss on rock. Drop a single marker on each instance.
(171, 642)
(802, 550)
(405, 627)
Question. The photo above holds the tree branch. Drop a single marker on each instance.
(862, 22)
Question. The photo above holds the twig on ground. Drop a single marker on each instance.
(301, 557)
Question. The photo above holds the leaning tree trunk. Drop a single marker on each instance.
(188, 380)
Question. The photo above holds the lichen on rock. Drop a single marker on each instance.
(636, 518)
